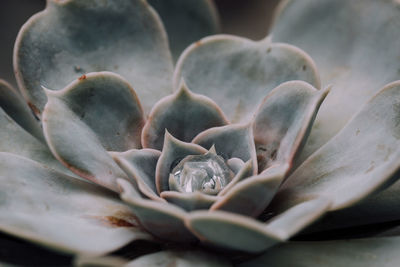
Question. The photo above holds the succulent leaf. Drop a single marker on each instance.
(357, 252)
(60, 211)
(140, 165)
(377, 208)
(297, 217)
(357, 161)
(15, 140)
(243, 172)
(252, 195)
(236, 72)
(107, 97)
(231, 230)
(236, 164)
(283, 121)
(195, 18)
(189, 258)
(189, 201)
(250, 235)
(184, 115)
(71, 38)
(14, 105)
(163, 220)
(350, 45)
(173, 151)
(232, 141)
(83, 151)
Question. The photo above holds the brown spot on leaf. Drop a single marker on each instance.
(35, 109)
(304, 67)
(117, 222)
(83, 77)
(198, 43)
(119, 219)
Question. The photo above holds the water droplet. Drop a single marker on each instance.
(207, 173)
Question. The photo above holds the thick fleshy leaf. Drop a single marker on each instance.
(186, 21)
(140, 165)
(216, 227)
(189, 201)
(231, 230)
(61, 212)
(70, 38)
(163, 220)
(184, 115)
(359, 160)
(108, 105)
(14, 105)
(173, 151)
(252, 195)
(377, 208)
(232, 141)
(237, 73)
(297, 217)
(181, 258)
(236, 164)
(349, 41)
(101, 261)
(245, 171)
(14, 139)
(283, 121)
(70, 136)
(357, 253)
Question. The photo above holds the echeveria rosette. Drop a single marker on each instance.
(113, 113)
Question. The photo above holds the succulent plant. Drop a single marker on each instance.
(197, 144)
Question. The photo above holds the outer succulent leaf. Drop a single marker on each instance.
(184, 115)
(180, 259)
(101, 261)
(359, 253)
(232, 141)
(173, 151)
(357, 161)
(216, 227)
(348, 41)
(14, 139)
(163, 220)
(186, 21)
(14, 105)
(61, 212)
(189, 201)
(283, 121)
(252, 195)
(70, 38)
(107, 98)
(140, 165)
(297, 217)
(82, 152)
(376, 208)
(237, 72)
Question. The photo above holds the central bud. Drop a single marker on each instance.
(205, 173)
